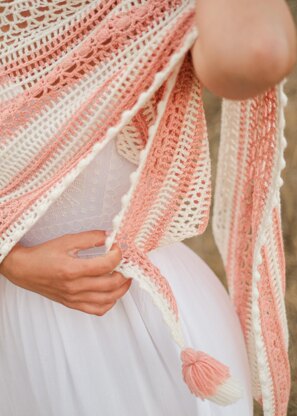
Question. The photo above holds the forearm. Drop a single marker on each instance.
(244, 46)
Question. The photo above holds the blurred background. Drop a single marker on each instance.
(204, 245)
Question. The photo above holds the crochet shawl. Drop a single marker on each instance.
(75, 75)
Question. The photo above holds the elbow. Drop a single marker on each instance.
(272, 58)
(255, 64)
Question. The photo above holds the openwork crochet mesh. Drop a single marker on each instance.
(75, 75)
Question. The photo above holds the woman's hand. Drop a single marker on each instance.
(244, 47)
(52, 270)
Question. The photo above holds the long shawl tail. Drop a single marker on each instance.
(247, 230)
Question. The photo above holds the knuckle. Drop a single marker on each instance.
(118, 279)
(88, 308)
(69, 272)
(110, 305)
(67, 302)
(108, 298)
(99, 312)
(125, 288)
(67, 299)
(106, 308)
(69, 289)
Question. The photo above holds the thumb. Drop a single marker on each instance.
(85, 239)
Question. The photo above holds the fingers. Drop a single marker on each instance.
(104, 283)
(90, 284)
(96, 302)
(92, 309)
(100, 297)
(94, 266)
(83, 240)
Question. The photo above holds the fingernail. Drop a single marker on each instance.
(108, 232)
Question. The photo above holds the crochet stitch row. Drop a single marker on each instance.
(75, 75)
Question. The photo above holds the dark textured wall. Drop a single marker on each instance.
(204, 245)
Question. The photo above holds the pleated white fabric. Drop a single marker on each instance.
(57, 361)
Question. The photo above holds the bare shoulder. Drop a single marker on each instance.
(244, 46)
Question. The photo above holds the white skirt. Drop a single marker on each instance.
(58, 361)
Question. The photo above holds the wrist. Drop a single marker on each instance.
(8, 264)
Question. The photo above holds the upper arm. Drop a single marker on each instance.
(244, 46)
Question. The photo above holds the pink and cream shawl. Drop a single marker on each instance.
(75, 75)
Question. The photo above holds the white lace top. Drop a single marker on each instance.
(90, 202)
